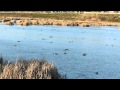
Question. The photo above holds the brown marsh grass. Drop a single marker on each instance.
(28, 69)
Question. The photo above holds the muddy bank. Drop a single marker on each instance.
(24, 21)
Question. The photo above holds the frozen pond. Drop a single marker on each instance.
(78, 52)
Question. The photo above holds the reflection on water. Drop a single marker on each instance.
(78, 52)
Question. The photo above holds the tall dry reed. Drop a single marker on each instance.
(29, 69)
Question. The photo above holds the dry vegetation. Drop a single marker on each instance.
(28, 69)
(65, 15)
(60, 18)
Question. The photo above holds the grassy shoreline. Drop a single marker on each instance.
(63, 18)
(65, 15)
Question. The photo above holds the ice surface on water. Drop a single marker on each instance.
(100, 44)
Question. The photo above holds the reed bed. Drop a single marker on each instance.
(60, 18)
(28, 69)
